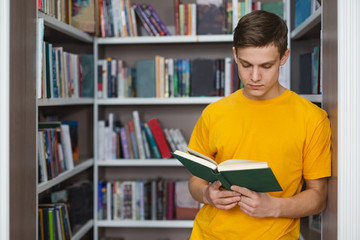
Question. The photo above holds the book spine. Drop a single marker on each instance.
(159, 138)
(141, 17)
(153, 20)
(152, 142)
(145, 141)
(124, 143)
(143, 14)
(137, 130)
(177, 19)
(133, 140)
(158, 20)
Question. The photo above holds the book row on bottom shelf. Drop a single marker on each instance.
(167, 77)
(150, 199)
(66, 211)
(137, 139)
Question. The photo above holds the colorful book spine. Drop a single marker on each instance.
(143, 21)
(133, 140)
(158, 20)
(159, 138)
(152, 141)
(143, 14)
(124, 143)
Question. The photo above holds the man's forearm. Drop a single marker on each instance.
(197, 186)
(308, 202)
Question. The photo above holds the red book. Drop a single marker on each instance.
(159, 138)
(177, 20)
(170, 201)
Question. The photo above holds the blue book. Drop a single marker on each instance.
(152, 142)
(133, 140)
(302, 11)
(145, 82)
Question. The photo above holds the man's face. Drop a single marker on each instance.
(258, 69)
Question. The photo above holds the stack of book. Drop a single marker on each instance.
(57, 148)
(137, 139)
(151, 199)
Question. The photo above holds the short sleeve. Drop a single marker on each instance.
(199, 140)
(317, 151)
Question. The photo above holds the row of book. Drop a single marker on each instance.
(54, 222)
(64, 74)
(80, 14)
(167, 77)
(137, 139)
(57, 148)
(151, 199)
(123, 19)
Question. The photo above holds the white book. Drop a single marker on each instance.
(235, 16)
(193, 19)
(66, 141)
(101, 140)
(133, 19)
(138, 136)
(115, 4)
(39, 55)
(41, 157)
(175, 139)
(51, 72)
(169, 139)
(104, 78)
(228, 83)
(108, 200)
(183, 143)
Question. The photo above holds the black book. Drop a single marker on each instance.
(203, 77)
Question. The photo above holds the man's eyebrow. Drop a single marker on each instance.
(264, 63)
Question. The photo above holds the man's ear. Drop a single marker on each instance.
(285, 57)
(235, 55)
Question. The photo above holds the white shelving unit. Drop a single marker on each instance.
(84, 164)
(307, 25)
(65, 175)
(140, 163)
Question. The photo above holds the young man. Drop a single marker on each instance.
(263, 122)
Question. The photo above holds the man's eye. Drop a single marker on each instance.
(246, 65)
(267, 66)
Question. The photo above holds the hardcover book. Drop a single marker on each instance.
(254, 175)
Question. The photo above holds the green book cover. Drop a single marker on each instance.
(51, 224)
(254, 175)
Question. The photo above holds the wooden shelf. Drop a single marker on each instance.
(157, 101)
(64, 101)
(146, 224)
(65, 28)
(308, 25)
(83, 230)
(65, 175)
(164, 39)
(140, 163)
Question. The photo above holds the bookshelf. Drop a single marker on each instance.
(77, 109)
(302, 40)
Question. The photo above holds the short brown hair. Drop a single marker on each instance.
(259, 29)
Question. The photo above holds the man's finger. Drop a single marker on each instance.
(242, 190)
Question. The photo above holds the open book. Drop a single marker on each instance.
(254, 175)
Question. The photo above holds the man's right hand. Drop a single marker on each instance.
(219, 198)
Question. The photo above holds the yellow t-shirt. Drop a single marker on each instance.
(289, 132)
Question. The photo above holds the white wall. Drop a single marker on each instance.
(4, 119)
(348, 119)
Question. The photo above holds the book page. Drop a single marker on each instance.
(238, 164)
(195, 153)
(199, 160)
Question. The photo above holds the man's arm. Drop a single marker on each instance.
(211, 194)
(308, 202)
